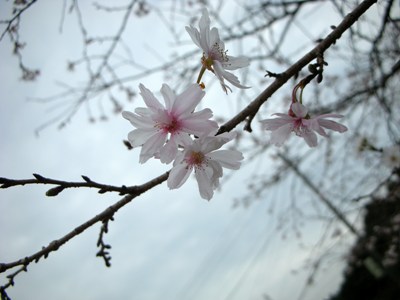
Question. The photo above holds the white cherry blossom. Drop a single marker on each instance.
(299, 122)
(207, 161)
(161, 129)
(215, 57)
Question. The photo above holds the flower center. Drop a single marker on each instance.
(216, 53)
(173, 126)
(299, 128)
(170, 127)
(196, 159)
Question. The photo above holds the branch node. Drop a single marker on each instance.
(272, 74)
(40, 178)
(54, 191)
(103, 246)
(87, 179)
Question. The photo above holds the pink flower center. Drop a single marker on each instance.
(172, 126)
(196, 159)
(297, 124)
(299, 128)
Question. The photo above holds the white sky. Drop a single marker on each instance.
(166, 244)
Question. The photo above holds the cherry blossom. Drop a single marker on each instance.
(215, 56)
(202, 156)
(160, 130)
(299, 122)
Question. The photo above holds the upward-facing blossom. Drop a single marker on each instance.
(203, 157)
(161, 129)
(299, 122)
(215, 56)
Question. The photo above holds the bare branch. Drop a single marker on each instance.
(61, 185)
(105, 215)
(16, 17)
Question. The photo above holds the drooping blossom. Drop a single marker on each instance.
(161, 129)
(299, 122)
(215, 57)
(207, 161)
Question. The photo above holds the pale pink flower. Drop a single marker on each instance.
(202, 156)
(215, 56)
(301, 124)
(160, 130)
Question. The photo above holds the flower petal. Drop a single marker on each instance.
(234, 63)
(183, 139)
(204, 25)
(227, 158)
(152, 146)
(273, 124)
(194, 35)
(314, 125)
(211, 143)
(332, 125)
(214, 172)
(137, 120)
(187, 101)
(138, 137)
(299, 110)
(205, 184)
(198, 124)
(310, 137)
(280, 135)
(323, 116)
(221, 74)
(149, 98)
(168, 151)
(169, 96)
(214, 38)
(143, 112)
(178, 175)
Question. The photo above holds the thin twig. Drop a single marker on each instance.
(15, 17)
(61, 185)
(321, 196)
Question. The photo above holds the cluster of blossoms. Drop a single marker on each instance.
(174, 132)
(298, 120)
(166, 132)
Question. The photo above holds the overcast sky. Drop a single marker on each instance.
(165, 244)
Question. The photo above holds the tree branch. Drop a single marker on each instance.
(105, 215)
(251, 110)
(321, 196)
(61, 185)
(15, 17)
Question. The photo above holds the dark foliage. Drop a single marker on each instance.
(374, 268)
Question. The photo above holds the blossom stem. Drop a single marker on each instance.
(301, 94)
(203, 69)
(294, 92)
